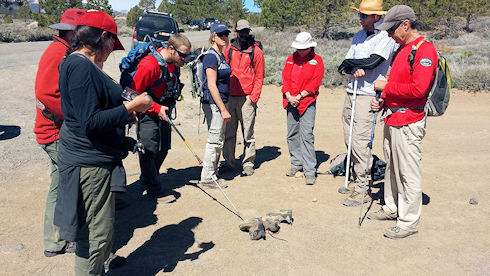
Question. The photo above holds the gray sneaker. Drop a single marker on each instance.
(310, 179)
(210, 184)
(381, 215)
(248, 170)
(398, 233)
(292, 172)
(355, 199)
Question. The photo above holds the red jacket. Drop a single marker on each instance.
(301, 74)
(409, 90)
(147, 73)
(47, 91)
(246, 79)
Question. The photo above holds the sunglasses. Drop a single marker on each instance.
(223, 34)
(392, 30)
(182, 55)
(362, 15)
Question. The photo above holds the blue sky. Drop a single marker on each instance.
(127, 4)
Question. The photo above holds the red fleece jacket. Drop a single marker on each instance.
(409, 90)
(47, 91)
(147, 73)
(301, 74)
(246, 79)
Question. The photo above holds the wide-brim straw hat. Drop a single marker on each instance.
(303, 41)
(370, 7)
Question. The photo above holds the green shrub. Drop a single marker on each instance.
(8, 20)
(474, 78)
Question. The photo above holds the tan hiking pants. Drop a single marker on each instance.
(403, 175)
(242, 111)
(361, 134)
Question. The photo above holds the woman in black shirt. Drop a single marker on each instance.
(92, 142)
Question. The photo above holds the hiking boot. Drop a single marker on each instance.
(350, 188)
(69, 247)
(310, 179)
(210, 184)
(271, 223)
(381, 215)
(355, 199)
(248, 171)
(255, 228)
(292, 172)
(113, 261)
(397, 233)
(285, 215)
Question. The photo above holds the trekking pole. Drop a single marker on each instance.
(368, 169)
(349, 145)
(199, 161)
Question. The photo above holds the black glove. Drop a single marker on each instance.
(346, 67)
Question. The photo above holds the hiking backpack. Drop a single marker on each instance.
(129, 64)
(338, 167)
(440, 92)
(197, 72)
(250, 52)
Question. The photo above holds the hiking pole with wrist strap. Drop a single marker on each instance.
(349, 145)
(368, 168)
(199, 161)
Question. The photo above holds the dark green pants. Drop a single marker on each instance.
(52, 241)
(155, 136)
(96, 216)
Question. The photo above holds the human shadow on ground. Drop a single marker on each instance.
(164, 250)
(137, 210)
(9, 132)
(264, 154)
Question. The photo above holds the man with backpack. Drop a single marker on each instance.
(404, 97)
(246, 60)
(49, 119)
(368, 59)
(158, 74)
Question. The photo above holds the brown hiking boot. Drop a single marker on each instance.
(398, 233)
(381, 215)
(255, 228)
(350, 188)
(210, 184)
(355, 199)
(285, 215)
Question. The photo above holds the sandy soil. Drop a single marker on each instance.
(198, 234)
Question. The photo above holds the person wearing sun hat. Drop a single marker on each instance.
(49, 119)
(367, 60)
(92, 142)
(404, 96)
(301, 79)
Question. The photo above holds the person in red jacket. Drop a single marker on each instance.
(301, 79)
(154, 130)
(404, 96)
(247, 64)
(49, 119)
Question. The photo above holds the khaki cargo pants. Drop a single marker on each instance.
(403, 176)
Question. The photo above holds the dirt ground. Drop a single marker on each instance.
(197, 234)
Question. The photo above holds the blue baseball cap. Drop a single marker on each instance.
(219, 28)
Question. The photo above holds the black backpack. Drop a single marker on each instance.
(250, 52)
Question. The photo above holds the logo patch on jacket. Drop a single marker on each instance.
(313, 62)
(425, 62)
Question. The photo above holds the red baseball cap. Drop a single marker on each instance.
(103, 21)
(68, 20)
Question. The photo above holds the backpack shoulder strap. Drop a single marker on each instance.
(411, 56)
(230, 53)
